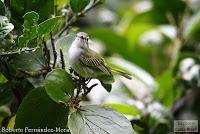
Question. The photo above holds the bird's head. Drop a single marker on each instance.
(82, 36)
(81, 40)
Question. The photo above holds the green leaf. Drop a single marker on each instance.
(78, 5)
(175, 7)
(37, 81)
(5, 93)
(114, 42)
(59, 85)
(134, 32)
(5, 26)
(37, 110)
(98, 120)
(60, 3)
(4, 113)
(32, 61)
(2, 8)
(106, 82)
(18, 9)
(30, 25)
(165, 92)
(49, 25)
(192, 27)
(108, 87)
(2, 78)
(21, 41)
(134, 70)
(30, 28)
(124, 109)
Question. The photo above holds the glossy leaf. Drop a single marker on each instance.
(98, 120)
(37, 110)
(5, 26)
(31, 62)
(59, 85)
(49, 25)
(78, 5)
(37, 81)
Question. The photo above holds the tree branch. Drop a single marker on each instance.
(76, 16)
(54, 50)
(62, 59)
(46, 53)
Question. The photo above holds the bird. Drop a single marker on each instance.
(89, 64)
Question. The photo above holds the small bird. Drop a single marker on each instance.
(88, 63)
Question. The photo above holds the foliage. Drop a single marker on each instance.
(56, 86)
(156, 43)
(98, 119)
(40, 106)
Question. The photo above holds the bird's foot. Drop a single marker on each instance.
(71, 70)
(94, 85)
(88, 89)
(88, 80)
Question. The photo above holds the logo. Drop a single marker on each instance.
(185, 125)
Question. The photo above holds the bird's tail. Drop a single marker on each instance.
(124, 74)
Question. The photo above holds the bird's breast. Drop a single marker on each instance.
(74, 54)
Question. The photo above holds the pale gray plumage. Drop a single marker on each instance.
(86, 62)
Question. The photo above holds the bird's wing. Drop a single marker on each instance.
(92, 59)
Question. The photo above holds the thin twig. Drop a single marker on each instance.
(170, 18)
(55, 8)
(54, 50)
(70, 22)
(89, 89)
(48, 58)
(76, 16)
(62, 59)
(46, 53)
(179, 39)
(88, 9)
